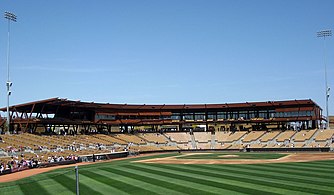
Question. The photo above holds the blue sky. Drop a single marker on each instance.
(175, 51)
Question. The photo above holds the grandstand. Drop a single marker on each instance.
(286, 135)
(180, 137)
(45, 149)
(55, 131)
(253, 135)
(269, 136)
(331, 122)
(304, 135)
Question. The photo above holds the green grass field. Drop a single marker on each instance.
(240, 155)
(128, 177)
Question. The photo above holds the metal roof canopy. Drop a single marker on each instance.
(49, 106)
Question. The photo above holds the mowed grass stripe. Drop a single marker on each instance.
(98, 186)
(70, 184)
(323, 162)
(265, 174)
(33, 188)
(182, 176)
(165, 183)
(238, 182)
(283, 172)
(120, 185)
(268, 167)
(13, 190)
(320, 167)
(248, 178)
(301, 167)
(144, 184)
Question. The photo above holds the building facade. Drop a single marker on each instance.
(77, 116)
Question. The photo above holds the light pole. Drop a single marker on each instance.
(10, 17)
(324, 34)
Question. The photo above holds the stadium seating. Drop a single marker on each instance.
(130, 138)
(304, 135)
(253, 135)
(273, 145)
(203, 145)
(222, 136)
(202, 136)
(231, 137)
(182, 137)
(166, 148)
(298, 144)
(110, 139)
(317, 144)
(44, 147)
(184, 146)
(154, 137)
(222, 146)
(269, 136)
(257, 145)
(237, 146)
(324, 135)
(144, 148)
(285, 135)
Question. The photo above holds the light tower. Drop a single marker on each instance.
(11, 18)
(324, 34)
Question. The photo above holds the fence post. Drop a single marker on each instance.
(77, 179)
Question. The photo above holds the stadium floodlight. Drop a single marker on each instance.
(324, 34)
(10, 17)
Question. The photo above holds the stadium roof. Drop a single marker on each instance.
(52, 104)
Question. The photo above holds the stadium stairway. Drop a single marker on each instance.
(193, 141)
(312, 139)
(213, 141)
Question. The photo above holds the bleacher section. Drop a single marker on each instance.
(44, 146)
(222, 136)
(130, 138)
(203, 145)
(304, 135)
(154, 138)
(110, 139)
(223, 145)
(182, 137)
(253, 135)
(285, 135)
(324, 135)
(317, 144)
(202, 136)
(230, 137)
(257, 145)
(269, 136)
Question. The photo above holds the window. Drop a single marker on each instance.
(212, 116)
(165, 117)
(252, 114)
(105, 117)
(221, 115)
(200, 117)
(188, 117)
(243, 115)
(233, 115)
(175, 116)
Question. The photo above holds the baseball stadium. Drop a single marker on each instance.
(166, 97)
(61, 146)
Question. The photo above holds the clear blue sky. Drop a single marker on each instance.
(171, 51)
